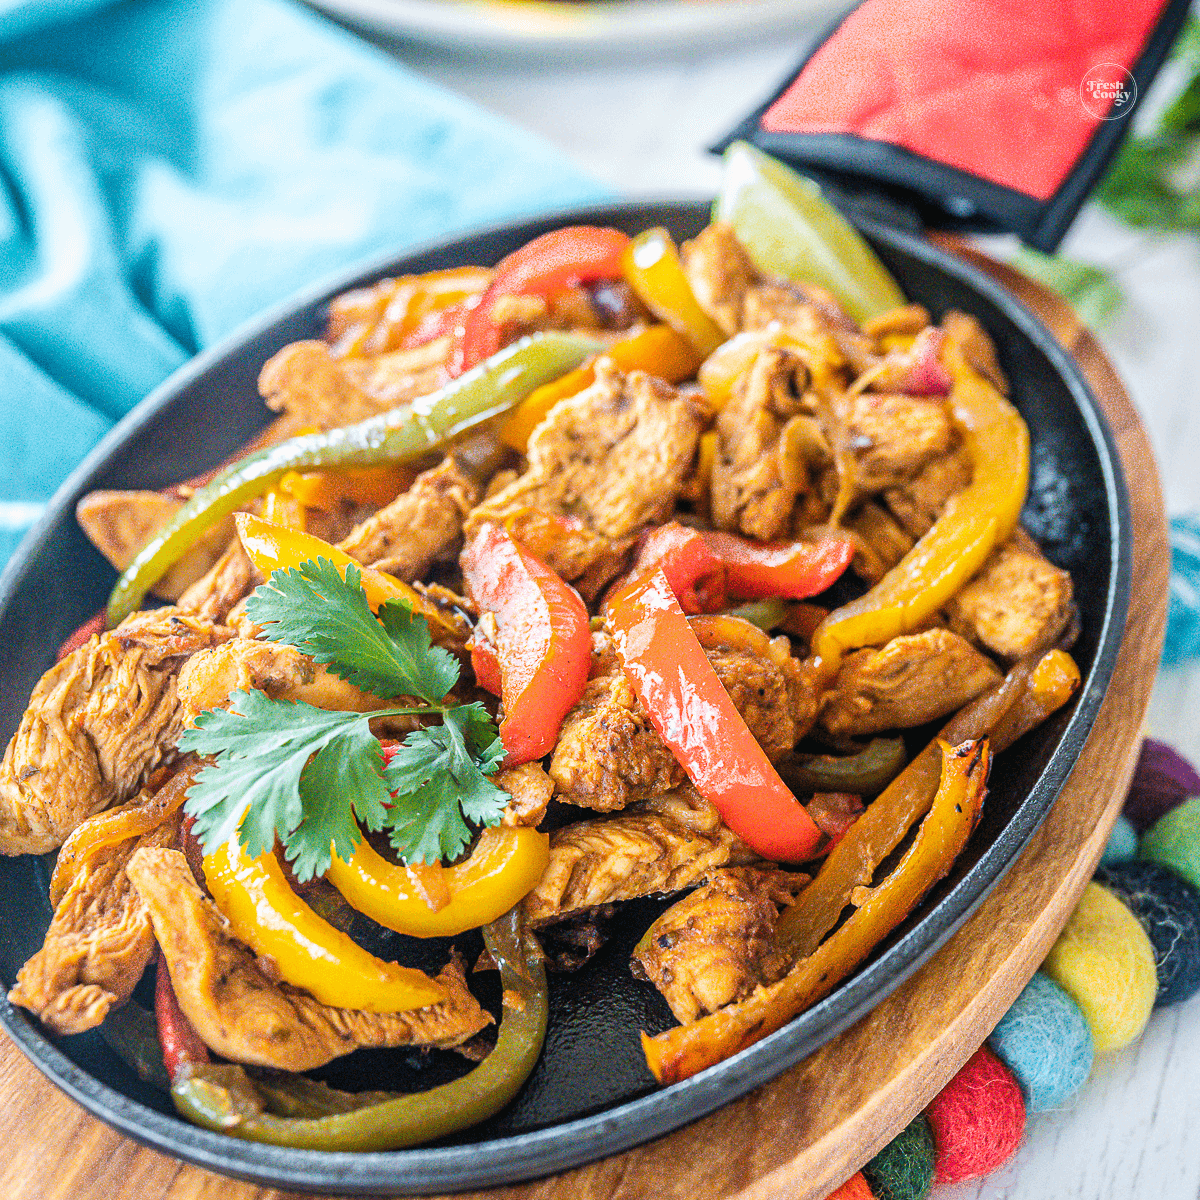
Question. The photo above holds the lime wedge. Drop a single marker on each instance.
(789, 230)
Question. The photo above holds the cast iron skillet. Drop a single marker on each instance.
(591, 1094)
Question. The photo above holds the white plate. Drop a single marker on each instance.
(559, 26)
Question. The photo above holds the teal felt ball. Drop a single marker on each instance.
(1122, 843)
(1046, 1043)
(903, 1169)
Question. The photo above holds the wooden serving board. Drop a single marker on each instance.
(805, 1132)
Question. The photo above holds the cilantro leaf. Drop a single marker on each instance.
(311, 777)
(439, 778)
(261, 778)
(327, 617)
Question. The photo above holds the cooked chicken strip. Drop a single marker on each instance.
(713, 946)
(305, 382)
(97, 722)
(399, 375)
(100, 940)
(720, 272)
(661, 845)
(609, 755)
(880, 542)
(120, 523)
(918, 502)
(892, 437)
(912, 680)
(530, 788)
(404, 538)
(232, 578)
(752, 490)
(1019, 602)
(241, 1015)
(210, 677)
(603, 465)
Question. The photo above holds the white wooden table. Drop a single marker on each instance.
(641, 127)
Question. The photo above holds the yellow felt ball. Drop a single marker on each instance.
(1105, 961)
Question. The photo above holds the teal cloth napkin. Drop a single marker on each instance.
(168, 168)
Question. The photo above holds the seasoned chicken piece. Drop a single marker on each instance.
(914, 679)
(918, 502)
(404, 538)
(609, 754)
(232, 578)
(603, 465)
(880, 542)
(97, 722)
(712, 947)
(661, 845)
(100, 940)
(719, 271)
(530, 788)
(210, 677)
(312, 388)
(1018, 603)
(120, 523)
(753, 492)
(892, 437)
(399, 375)
(242, 1015)
(572, 308)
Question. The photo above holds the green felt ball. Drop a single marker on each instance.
(1174, 841)
(903, 1169)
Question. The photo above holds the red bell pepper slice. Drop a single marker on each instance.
(543, 267)
(705, 568)
(694, 715)
(179, 1041)
(695, 573)
(544, 642)
(793, 570)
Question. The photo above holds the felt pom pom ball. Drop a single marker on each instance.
(1174, 841)
(1046, 1043)
(1162, 780)
(1122, 843)
(1104, 961)
(903, 1169)
(977, 1121)
(855, 1188)
(1169, 911)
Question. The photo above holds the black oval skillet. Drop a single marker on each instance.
(591, 1094)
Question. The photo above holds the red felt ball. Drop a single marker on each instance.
(855, 1188)
(977, 1121)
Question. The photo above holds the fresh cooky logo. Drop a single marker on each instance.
(1107, 91)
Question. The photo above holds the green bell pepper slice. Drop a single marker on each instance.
(396, 436)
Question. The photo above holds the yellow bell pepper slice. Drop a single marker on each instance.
(502, 870)
(659, 350)
(653, 269)
(681, 1052)
(274, 547)
(362, 485)
(282, 509)
(264, 912)
(971, 526)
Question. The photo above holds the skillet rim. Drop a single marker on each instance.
(559, 1147)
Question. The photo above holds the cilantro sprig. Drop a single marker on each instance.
(311, 777)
